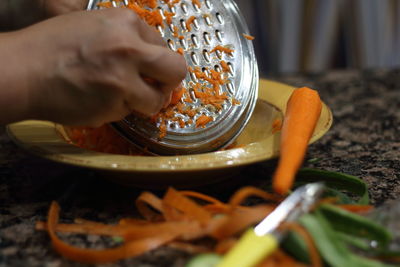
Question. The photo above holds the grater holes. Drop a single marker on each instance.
(230, 87)
(171, 27)
(183, 24)
(114, 4)
(193, 77)
(194, 58)
(219, 35)
(206, 71)
(160, 30)
(192, 95)
(171, 44)
(161, 12)
(207, 38)
(196, 7)
(207, 19)
(126, 2)
(183, 44)
(195, 41)
(206, 56)
(217, 68)
(196, 24)
(219, 18)
(172, 9)
(208, 4)
(231, 69)
(219, 54)
(184, 8)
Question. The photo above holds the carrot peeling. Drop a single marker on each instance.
(301, 116)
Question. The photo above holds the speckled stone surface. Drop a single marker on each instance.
(364, 141)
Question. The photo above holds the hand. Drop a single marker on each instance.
(90, 68)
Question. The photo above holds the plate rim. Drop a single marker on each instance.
(236, 157)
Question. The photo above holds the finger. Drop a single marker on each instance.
(168, 68)
(150, 34)
(143, 97)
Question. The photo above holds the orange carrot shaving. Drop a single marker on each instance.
(174, 221)
(189, 22)
(276, 125)
(91, 256)
(301, 116)
(356, 208)
(196, 2)
(248, 37)
(203, 120)
(168, 19)
(105, 4)
(225, 66)
(222, 49)
(180, 51)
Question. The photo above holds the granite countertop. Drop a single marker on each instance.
(364, 141)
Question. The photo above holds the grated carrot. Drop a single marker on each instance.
(189, 22)
(203, 120)
(248, 37)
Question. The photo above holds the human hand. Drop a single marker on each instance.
(89, 68)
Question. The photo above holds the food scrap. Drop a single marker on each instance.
(248, 37)
(183, 219)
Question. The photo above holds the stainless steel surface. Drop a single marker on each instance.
(216, 23)
(298, 203)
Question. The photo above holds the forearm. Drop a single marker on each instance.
(14, 82)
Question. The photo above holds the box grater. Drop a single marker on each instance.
(213, 24)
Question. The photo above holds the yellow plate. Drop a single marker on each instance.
(258, 141)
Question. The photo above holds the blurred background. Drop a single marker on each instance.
(316, 35)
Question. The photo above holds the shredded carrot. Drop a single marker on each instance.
(105, 4)
(248, 37)
(225, 66)
(356, 208)
(180, 51)
(301, 116)
(168, 18)
(196, 2)
(189, 22)
(276, 125)
(203, 120)
(222, 49)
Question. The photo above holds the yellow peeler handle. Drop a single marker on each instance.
(249, 250)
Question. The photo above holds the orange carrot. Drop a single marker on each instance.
(203, 120)
(248, 37)
(302, 113)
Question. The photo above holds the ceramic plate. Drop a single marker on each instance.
(258, 142)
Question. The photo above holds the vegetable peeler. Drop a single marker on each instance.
(258, 243)
(197, 28)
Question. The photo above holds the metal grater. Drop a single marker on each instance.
(216, 23)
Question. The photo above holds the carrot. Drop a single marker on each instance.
(248, 37)
(203, 120)
(302, 113)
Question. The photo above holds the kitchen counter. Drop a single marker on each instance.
(364, 141)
